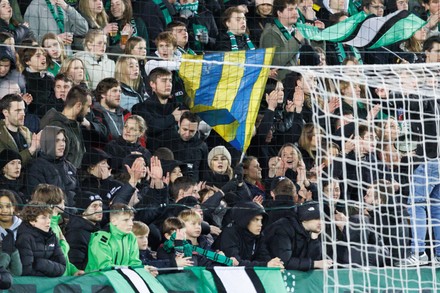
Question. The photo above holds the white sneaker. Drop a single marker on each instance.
(415, 260)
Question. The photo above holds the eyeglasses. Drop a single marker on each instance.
(378, 7)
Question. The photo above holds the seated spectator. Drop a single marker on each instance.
(76, 107)
(296, 240)
(14, 135)
(10, 166)
(96, 16)
(137, 47)
(51, 166)
(40, 252)
(242, 238)
(8, 68)
(128, 74)
(53, 196)
(220, 171)
(107, 107)
(39, 82)
(235, 38)
(9, 24)
(148, 257)
(97, 63)
(105, 246)
(81, 226)
(9, 223)
(75, 69)
(161, 111)
(55, 52)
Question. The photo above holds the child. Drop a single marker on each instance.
(141, 231)
(40, 252)
(105, 246)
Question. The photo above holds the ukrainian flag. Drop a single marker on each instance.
(226, 90)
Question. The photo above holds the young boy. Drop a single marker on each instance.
(115, 245)
(141, 231)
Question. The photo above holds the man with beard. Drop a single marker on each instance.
(76, 107)
(107, 107)
(13, 134)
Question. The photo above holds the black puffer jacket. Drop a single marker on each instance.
(40, 252)
(237, 241)
(120, 148)
(288, 240)
(78, 231)
(20, 32)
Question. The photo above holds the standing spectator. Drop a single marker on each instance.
(13, 134)
(180, 32)
(75, 69)
(76, 107)
(235, 38)
(137, 47)
(39, 249)
(97, 63)
(128, 74)
(8, 68)
(10, 166)
(259, 16)
(107, 107)
(55, 52)
(9, 24)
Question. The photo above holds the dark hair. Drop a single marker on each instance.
(429, 43)
(9, 194)
(48, 193)
(120, 209)
(158, 72)
(181, 183)
(104, 86)
(27, 53)
(173, 24)
(164, 153)
(34, 209)
(191, 117)
(227, 14)
(367, 3)
(284, 187)
(167, 37)
(4, 36)
(280, 5)
(171, 224)
(76, 94)
(127, 15)
(5, 102)
(63, 77)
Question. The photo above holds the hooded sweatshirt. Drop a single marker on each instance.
(13, 75)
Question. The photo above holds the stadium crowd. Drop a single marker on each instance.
(103, 164)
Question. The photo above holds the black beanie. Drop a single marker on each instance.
(84, 199)
(8, 155)
(93, 157)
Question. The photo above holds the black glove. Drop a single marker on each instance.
(5, 279)
(8, 243)
(238, 173)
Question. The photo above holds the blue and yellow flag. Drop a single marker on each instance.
(226, 90)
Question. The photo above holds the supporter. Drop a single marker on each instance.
(329, 9)
(252, 177)
(132, 88)
(53, 196)
(411, 49)
(14, 135)
(80, 227)
(96, 17)
(107, 107)
(235, 38)
(375, 7)
(283, 199)
(278, 35)
(10, 165)
(20, 30)
(161, 111)
(55, 17)
(74, 68)
(9, 223)
(121, 13)
(296, 240)
(200, 22)
(129, 142)
(309, 142)
(40, 252)
(63, 84)
(39, 82)
(97, 64)
(180, 32)
(220, 171)
(258, 17)
(51, 166)
(431, 47)
(289, 162)
(147, 256)
(76, 107)
(188, 146)
(55, 52)
(8, 68)
(173, 169)
(242, 239)
(105, 246)
(96, 177)
(137, 47)
(431, 15)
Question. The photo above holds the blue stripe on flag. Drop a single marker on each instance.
(240, 106)
(209, 78)
(216, 117)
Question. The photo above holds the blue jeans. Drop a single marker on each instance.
(424, 203)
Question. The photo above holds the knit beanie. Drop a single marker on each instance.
(219, 150)
(8, 155)
(84, 199)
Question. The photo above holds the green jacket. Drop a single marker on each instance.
(112, 248)
(8, 142)
(65, 247)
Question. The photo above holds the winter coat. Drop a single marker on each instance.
(39, 85)
(78, 233)
(16, 186)
(75, 148)
(97, 70)
(281, 207)
(8, 142)
(20, 32)
(129, 97)
(223, 42)
(119, 148)
(113, 121)
(288, 240)
(13, 75)
(112, 247)
(40, 252)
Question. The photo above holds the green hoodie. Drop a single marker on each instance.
(112, 248)
(65, 247)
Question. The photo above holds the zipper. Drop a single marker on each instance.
(116, 258)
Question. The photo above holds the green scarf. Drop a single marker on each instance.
(59, 16)
(188, 250)
(189, 51)
(340, 52)
(194, 7)
(282, 29)
(234, 46)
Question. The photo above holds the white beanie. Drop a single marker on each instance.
(259, 2)
(219, 150)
